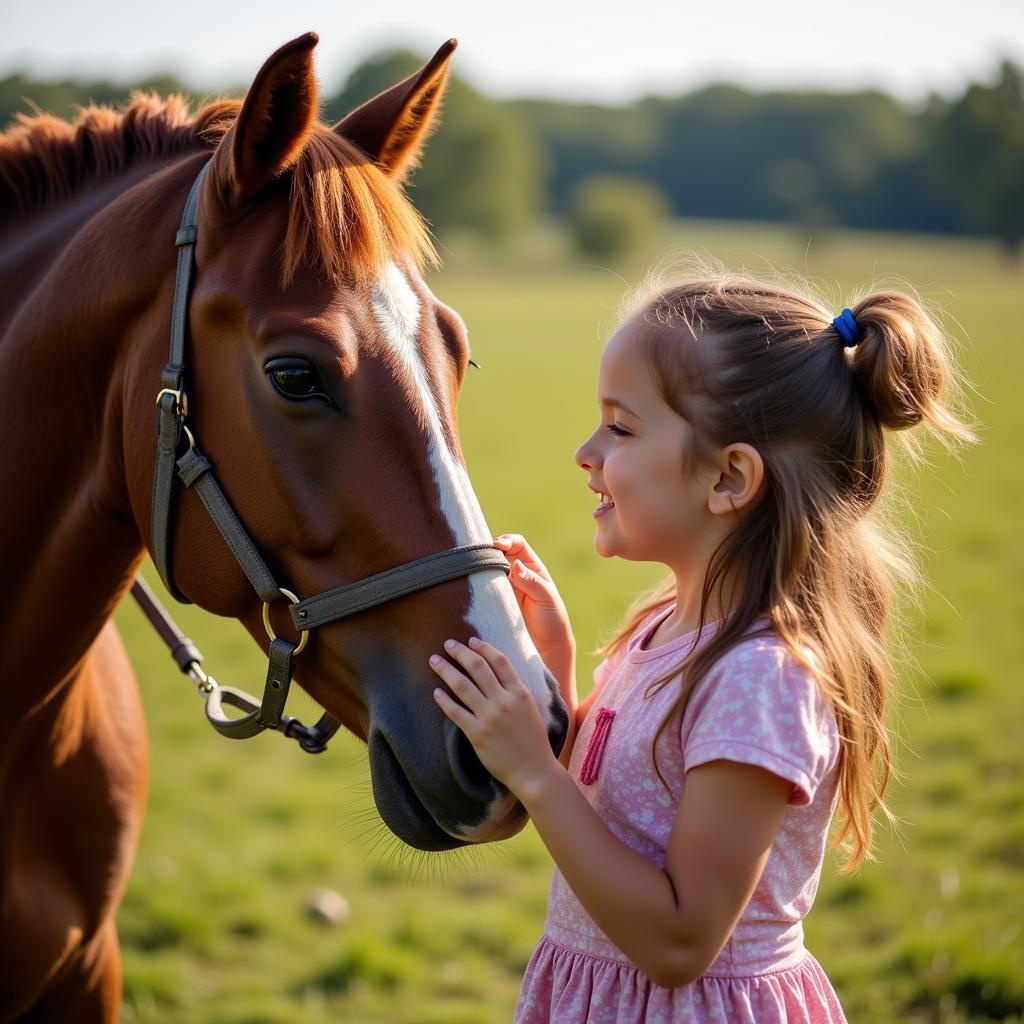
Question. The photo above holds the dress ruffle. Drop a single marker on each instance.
(565, 986)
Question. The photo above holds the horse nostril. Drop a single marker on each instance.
(469, 773)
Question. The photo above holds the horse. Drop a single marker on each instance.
(321, 386)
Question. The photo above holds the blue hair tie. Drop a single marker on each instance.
(848, 328)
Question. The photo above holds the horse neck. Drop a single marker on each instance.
(76, 286)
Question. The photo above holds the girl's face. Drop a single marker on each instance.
(653, 506)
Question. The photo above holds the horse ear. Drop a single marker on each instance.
(273, 124)
(393, 127)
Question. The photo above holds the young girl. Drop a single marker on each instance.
(741, 445)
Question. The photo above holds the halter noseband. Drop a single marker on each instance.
(194, 470)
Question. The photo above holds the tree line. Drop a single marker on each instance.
(816, 158)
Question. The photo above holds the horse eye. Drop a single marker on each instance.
(295, 379)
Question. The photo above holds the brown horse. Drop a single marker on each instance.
(322, 381)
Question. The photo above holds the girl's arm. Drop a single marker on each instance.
(548, 624)
(670, 922)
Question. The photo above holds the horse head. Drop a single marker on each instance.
(323, 382)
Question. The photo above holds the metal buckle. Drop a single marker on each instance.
(180, 399)
(303, 634)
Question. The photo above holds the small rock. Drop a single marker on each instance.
(452, 972)
(328, 907)
(949, 883)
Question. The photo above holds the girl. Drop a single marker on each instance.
(741, 445)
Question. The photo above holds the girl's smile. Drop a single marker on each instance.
(605, 507)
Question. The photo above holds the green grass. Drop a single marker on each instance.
(213, 928)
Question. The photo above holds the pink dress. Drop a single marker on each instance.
(758, 706)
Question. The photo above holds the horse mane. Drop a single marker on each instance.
(345, 217)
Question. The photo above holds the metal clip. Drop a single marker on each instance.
(205, 684)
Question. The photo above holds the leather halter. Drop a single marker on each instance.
(194, 470)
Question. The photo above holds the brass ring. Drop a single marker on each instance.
(303, 634)
(180, 399)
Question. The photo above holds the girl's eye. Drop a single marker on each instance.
(615, 429)
(296, 379)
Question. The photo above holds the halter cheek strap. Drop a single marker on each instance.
(194, 470)
(171, 399)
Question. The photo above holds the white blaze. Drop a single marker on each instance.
(398, 312)
(493, 612)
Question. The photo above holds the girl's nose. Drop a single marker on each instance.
(587, 457)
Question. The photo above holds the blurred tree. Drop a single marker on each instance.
(611, 217)
(811, 157)
(580, 139)
(483, 169)
(980, 145)
(815, 159)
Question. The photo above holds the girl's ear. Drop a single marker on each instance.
(738, 481)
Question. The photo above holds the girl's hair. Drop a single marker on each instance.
(746, 361)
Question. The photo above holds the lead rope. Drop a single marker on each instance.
(188, 658)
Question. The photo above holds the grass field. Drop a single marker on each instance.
(213, 926)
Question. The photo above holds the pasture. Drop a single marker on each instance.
(213, 927)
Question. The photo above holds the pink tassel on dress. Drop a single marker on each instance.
(595, 751)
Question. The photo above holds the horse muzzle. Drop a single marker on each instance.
(430, 787)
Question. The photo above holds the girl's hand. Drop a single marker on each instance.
(500, 717)
(545, 616)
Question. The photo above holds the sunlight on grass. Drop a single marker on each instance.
(213, 925)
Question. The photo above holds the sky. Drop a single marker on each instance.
(597, 50)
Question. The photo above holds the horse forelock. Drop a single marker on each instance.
(346, 217)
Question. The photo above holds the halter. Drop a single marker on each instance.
(194, 470)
